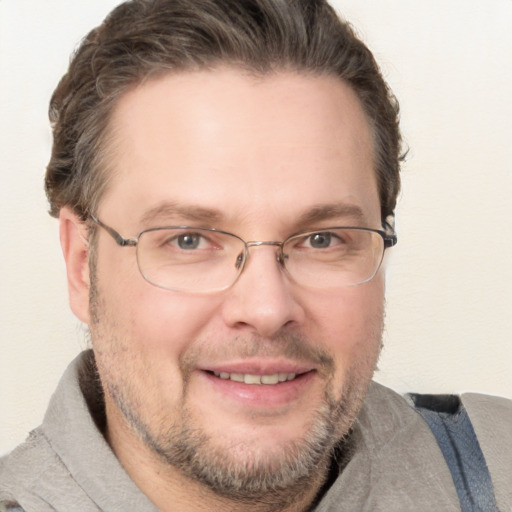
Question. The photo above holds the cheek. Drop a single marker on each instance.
(350, 322)
(142, 335)
(147, 318)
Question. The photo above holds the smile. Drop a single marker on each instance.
(259, 389)
(248, 378)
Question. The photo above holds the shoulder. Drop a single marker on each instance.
(488, 410)
(22, 469)
(491, 417)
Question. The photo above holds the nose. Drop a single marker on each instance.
(263, 300)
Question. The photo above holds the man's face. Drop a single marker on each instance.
(263, 158)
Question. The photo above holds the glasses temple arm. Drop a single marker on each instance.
(114, 234)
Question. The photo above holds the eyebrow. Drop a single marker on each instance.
(189, 212)
(323, 212)
(211, 216)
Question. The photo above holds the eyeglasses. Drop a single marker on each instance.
(199, 260)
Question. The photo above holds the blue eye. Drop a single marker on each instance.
(189, 241)
(320, 240)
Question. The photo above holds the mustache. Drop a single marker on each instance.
(295, 347)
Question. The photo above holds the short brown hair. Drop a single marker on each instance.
(145, 38)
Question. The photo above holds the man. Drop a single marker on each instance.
(225, 176)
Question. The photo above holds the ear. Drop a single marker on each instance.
(75, 247)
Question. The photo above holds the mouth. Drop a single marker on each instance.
(255, 379)
(260, 388)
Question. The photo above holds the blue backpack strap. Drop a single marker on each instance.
(452, 428)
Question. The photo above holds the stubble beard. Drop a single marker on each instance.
(272, 479)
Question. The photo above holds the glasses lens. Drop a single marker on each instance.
(188, 259)
(334, 258)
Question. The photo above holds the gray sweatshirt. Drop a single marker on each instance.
(395, 462)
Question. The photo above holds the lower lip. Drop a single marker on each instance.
(263, 396)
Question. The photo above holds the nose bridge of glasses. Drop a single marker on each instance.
(279, 255)
(268, 242)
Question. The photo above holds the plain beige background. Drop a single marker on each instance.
(449, 320)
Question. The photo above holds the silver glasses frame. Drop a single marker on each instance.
(389, 240)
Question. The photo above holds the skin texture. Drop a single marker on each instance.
(261, 157)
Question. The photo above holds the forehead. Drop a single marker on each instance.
(244, 146)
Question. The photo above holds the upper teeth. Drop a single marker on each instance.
(248, 378)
